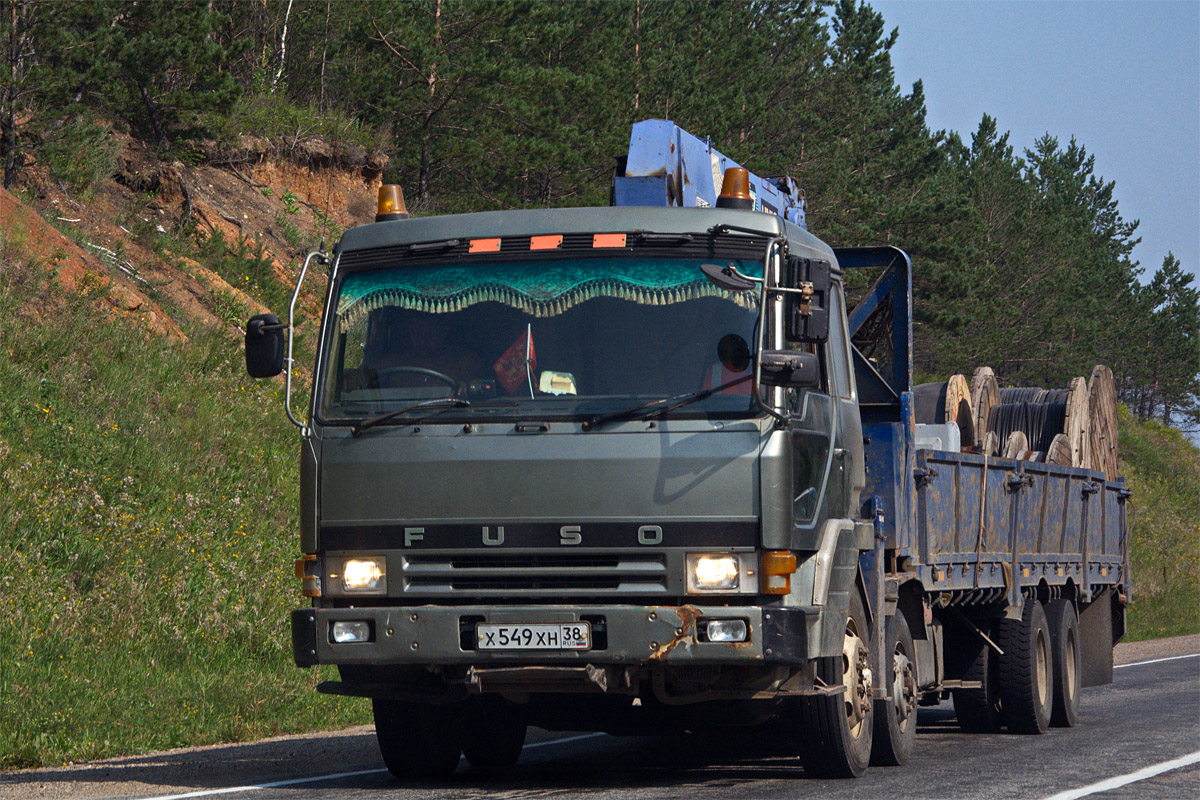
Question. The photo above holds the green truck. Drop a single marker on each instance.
(628, 469)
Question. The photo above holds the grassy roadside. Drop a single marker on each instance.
(1163, 469)
(147, 530)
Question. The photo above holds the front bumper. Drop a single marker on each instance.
(622, 635)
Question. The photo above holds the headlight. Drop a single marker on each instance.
(364, 574)
(713, 573)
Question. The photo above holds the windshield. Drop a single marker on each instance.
(538, 339)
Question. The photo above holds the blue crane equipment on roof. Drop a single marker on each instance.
(667, 166)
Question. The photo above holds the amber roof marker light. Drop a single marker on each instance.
(391, 204)
(735, 189)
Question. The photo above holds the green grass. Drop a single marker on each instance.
(271, 115)
(147, 532)
(1163, 469)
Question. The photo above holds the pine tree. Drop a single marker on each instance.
(168, 68)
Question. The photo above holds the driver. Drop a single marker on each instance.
(430, 347)
(402, 349)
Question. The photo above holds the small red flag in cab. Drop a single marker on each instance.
(517, 363)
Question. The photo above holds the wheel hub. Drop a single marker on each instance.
(904, 688)
(856, 677)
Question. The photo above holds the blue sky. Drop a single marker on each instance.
(1121, 76)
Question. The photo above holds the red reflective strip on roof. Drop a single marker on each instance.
(608, 240)
(484, 246)
(552, 242)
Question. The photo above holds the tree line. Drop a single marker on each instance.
(1023, 260)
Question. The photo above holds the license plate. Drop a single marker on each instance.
(534, 636)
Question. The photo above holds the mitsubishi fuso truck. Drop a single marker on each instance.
(642, 469)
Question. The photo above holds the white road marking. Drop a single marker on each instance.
(272, 785)
(332, 776)
(1156, 661)
(1132, 777)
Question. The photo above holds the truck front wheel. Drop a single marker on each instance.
(838, 728)
(496, 734)
(418, 740)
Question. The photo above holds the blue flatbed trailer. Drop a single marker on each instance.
(974, 534)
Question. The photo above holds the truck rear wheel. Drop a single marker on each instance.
(896, 717)
(495, 735)
(1026, 670)
(418, 740)
(1065, 654)
(838, 728)
(978, 710)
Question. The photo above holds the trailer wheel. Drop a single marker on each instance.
(896, 717)
(1026, 670)
(1066, 655)
(978, 710)
(418, 740)
(495, 735)
(838, 728)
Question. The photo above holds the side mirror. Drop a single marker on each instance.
(791, 369)
(806, 313)
(264, 346)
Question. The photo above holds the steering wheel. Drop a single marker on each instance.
(427, 373)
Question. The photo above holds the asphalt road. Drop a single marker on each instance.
(1148, 718)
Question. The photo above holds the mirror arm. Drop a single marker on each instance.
(738, 273)
(764, 294)
(291, 329)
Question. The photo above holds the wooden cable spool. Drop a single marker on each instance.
(1076, 425)
(939, 403)
(1060, 451)
(985, 393)
(1102, 421)
(1017, 445)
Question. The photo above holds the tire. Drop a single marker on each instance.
(896, 717)
(495, 735)
(417, 740)
(1067, 657)
(1026, 670)
(838, 729)
(978, 710)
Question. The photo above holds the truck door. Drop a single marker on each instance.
(847, 475)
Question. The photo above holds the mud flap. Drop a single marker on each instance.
(1096, 640)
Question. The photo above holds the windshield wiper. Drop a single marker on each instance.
(445, 402)
(440, 404)
(661, 406)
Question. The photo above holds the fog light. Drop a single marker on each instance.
(726, 630)
(364, 574)
(713, 573)
(346, 632)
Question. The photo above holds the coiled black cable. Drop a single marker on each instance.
(1039, 421)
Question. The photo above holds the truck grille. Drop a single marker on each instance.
(535, 574)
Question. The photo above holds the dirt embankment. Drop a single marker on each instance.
(75, 267)
(125, 237)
